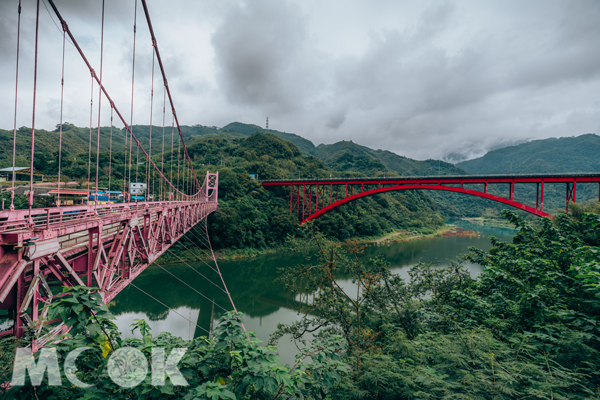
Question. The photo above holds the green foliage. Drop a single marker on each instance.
(230, 365)
(526, 327)
(254, 217)
(267, 144)
(566, 154)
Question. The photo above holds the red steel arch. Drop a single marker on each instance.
(346, 200)
(314, 197)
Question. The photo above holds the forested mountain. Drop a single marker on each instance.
(305, 145)
(565, 154)
(562, 155)
(346, 155)
(238, 150)
(252, 216)
(349, 156)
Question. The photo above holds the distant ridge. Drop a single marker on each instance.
(347, 155)
(305, 145)
(565, 154)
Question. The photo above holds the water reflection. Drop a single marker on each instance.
(255, 291)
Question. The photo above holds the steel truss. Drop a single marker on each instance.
(105, 247)
(311, 198)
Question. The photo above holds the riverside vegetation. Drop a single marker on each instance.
(526, 327)
(253, 218)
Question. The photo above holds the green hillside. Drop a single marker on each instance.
(252, 216)
(342, 154)
(237, 145)
(74, 141)
(566, 154)
(562, 155)
(305, 145)
(348, 156)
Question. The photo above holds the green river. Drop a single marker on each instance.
(255, 292)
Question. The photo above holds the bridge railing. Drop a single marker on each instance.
(54, 217)
(48, 218)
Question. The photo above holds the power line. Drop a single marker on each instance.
(174, 276)
(199, 273)
(158, 301)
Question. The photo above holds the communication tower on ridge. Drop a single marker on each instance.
(267, 129)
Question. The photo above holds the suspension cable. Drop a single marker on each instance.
(162, 153)
(199, 273)
(110, 152)
(37, 26)
(150, 146)
(185, 188)
(62, 90)
(208, 265)
(201, 240)
(127, 126)
(90, 139)
(178, 151)
(137, 161)
(219, 271)
(99, 110)
(132, 86)
(130, 157)
(12, 191)
(170, 309)
(172, 131)
(180, 280)
(167, 87)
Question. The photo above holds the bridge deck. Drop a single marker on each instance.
(492, 178)
(63, 218)
(313, 197)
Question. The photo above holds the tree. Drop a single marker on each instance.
(231, 364)
(526, 327)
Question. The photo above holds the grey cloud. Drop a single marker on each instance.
(422, 100)
(421, 78)
(336, 119)
(434, 20)
(260, 54)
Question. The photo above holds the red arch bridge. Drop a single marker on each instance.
(312, 198)
(92, 244)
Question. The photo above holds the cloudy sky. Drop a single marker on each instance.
(425, 79)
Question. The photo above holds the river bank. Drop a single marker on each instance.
(406, 236)
(501, 222)
(252, 279)
(193, 254)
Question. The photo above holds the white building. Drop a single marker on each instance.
(136, 188)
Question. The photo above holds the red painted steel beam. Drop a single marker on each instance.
(77, 246)
(558, 178)
(512, 203)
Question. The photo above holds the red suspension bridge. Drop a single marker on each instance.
(97, 245)
(312, 198)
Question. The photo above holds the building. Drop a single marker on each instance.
(106, 197)
(21, 173)
(137, 188)
(115, 196)
(70, 197)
